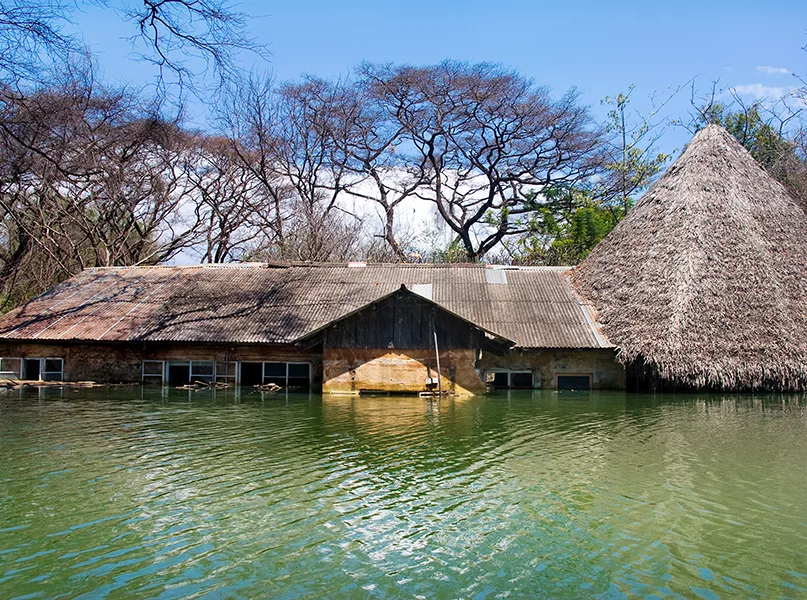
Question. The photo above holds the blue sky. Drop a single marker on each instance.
(598, 47)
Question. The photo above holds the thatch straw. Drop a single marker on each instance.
(704, 284)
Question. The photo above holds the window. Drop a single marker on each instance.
(153, 371)
(179, 372)
(31, 368)
(53, 369)
(225, 372)
(274, 372)
(299, 375)
(501, 380)
(202, 370)
(521, 380)
(42, 369)
(295, 375)
(251, 373)
(576, 382)
(10, 368)
(511, 380)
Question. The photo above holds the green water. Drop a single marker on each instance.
(136, 494)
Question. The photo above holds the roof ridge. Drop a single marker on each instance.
(334, 265)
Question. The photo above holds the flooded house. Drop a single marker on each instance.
(343, 328)
(701, 286)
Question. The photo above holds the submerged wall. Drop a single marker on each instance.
(122, 363)
(341, 370)
(351, 371)
(546, 365)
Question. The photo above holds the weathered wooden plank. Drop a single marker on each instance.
(404, 322)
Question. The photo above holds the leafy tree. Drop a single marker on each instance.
(568, 225)
(480, 138)
(586, 227)
(633, 162)
(572, 219)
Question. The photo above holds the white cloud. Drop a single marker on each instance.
(760, 92)
(774, 70)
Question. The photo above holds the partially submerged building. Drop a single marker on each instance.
(703, 284)
(348, 328)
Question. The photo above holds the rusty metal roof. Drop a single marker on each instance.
(270, 304)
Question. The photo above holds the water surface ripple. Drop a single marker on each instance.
(147, 494)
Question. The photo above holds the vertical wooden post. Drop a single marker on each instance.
(437, 354)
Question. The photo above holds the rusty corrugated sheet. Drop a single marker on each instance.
(259, 304)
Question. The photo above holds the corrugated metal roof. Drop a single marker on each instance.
(426, 290)
(496, 276)
(257, 303)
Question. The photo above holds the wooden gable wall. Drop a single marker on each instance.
(402, 321)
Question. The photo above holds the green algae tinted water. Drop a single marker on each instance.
(140, 494)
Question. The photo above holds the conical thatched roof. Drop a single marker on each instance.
(704, 283)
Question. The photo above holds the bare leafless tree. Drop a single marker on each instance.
(292, 138)
(227, 193)
(32, 39)
(483, 137)
(249, 118)
(310, 157)
(184, 39)
(380, 173)
(89, 179)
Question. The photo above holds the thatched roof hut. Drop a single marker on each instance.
(704, 283)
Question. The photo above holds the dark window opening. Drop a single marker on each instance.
(299, 375)
(179, 373)
(251, 373)
(501, 381)
(31, 367)
(53, 365)
(521, 381)
(579, 383)
(512, 380)
(53, 369)
(274, 372)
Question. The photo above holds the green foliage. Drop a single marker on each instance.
(587, 226)
(771, 146)
(766, 145)
(632, 162)
(566, 228)
(16, 295)
(455, 253)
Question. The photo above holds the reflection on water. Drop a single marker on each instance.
(167, 493)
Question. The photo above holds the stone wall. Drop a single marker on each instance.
(342, 370)
(122, 363)
(350, 371)
(606, 373)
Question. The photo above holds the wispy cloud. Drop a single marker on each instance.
(761, 92)
(774, 70)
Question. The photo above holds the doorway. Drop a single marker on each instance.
(30, 369)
